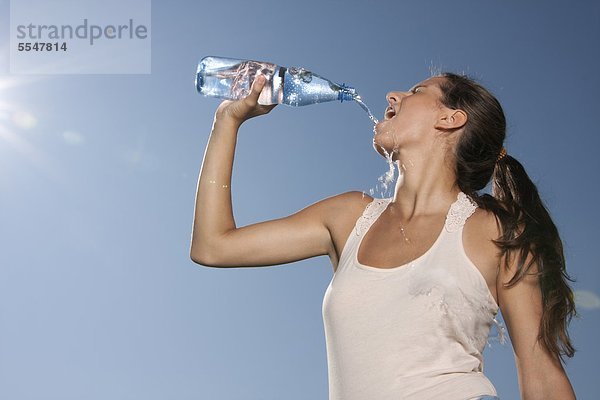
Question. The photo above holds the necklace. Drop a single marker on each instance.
(406, 239)
(403, 231)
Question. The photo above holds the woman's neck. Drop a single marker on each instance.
(426, 186)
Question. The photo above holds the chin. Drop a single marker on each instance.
(381, 148)
(384, 137)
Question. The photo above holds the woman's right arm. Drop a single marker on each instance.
(216, 241)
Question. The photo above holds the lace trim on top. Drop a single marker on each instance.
(460, 210)
(369, 214)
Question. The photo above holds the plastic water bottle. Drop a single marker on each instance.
(229, 78)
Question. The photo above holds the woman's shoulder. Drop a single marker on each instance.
(353, 199)
(345, 208)
(484, 224)
(340, 208)
(480, 230)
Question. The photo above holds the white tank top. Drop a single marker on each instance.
(411, 332)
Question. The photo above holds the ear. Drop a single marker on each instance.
(451, 119)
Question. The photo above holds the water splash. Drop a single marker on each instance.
(497, 333)
(387, 179)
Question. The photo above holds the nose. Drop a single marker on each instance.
(394, 97)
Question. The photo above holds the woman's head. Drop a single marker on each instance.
(416, 123)
(446, 115)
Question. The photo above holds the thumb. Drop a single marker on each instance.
(257, 86)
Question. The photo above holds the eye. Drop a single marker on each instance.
(415, 89)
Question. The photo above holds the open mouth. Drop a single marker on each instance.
(389, 113)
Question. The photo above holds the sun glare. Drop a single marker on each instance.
(12, 119)
(15, 121)
(11, 116)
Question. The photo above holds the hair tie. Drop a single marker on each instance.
(501, 155)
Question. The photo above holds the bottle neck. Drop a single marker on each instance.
(346, 93)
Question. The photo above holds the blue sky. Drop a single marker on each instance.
(98, 296)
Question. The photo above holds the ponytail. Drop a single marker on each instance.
(527, 228)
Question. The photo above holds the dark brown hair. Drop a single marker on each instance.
(527, 228)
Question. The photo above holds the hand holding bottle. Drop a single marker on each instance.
(245, 108)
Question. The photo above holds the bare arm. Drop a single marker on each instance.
(540, 375)
(216, 241)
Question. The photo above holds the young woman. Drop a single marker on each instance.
(418, 278)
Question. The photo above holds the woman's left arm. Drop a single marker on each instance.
(541, 376)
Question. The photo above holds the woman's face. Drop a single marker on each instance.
(410, 118)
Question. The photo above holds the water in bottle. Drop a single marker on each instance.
(229, 78)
